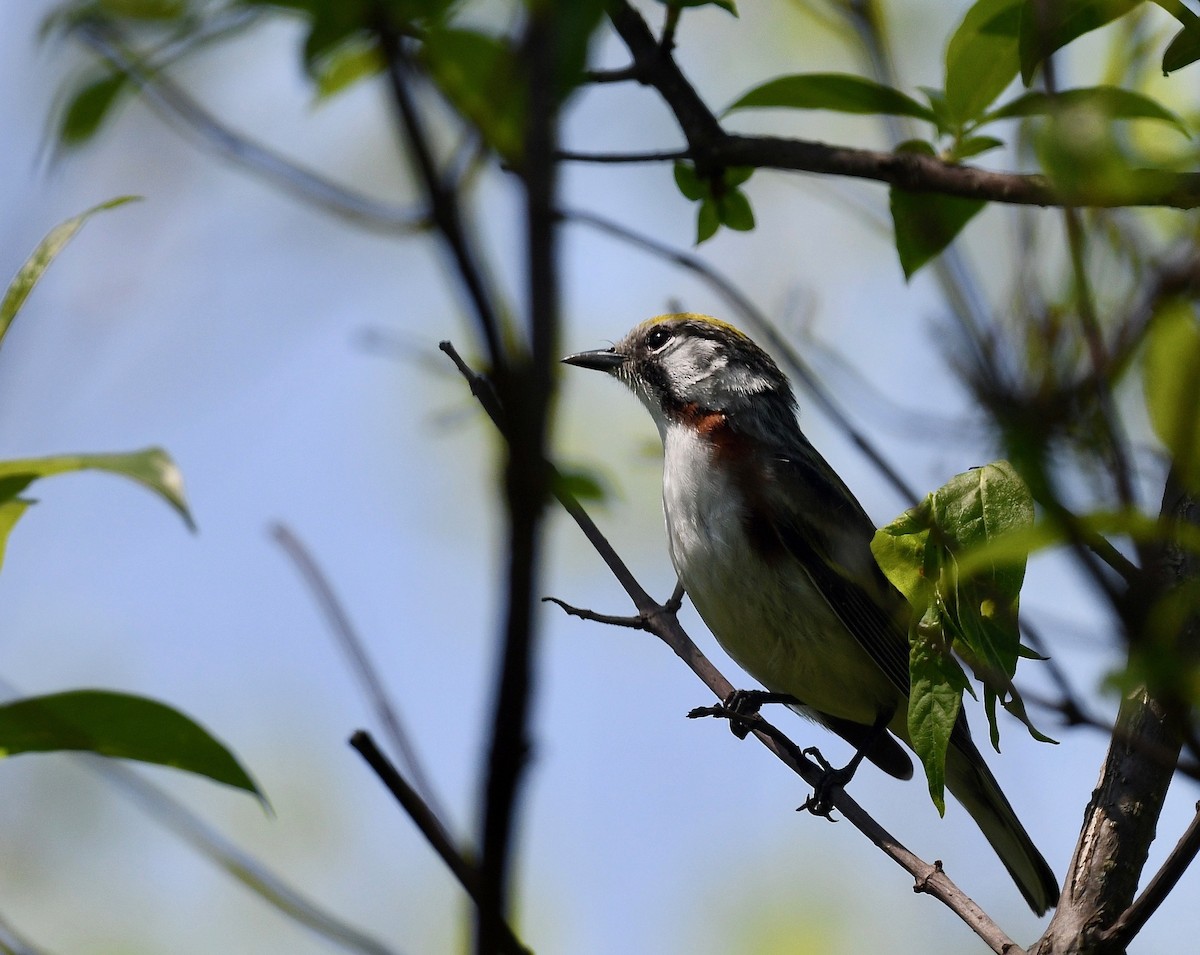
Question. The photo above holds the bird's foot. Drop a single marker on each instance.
(832, 782)
(742, 707)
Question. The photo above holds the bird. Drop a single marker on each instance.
(774, 551)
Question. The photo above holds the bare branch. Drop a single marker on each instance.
(431, 828)
(711, 147)
(1134, 918)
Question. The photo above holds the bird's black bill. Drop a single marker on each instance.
(604, 360)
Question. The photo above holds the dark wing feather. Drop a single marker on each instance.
(825, 528)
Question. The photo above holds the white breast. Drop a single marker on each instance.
(769, 617)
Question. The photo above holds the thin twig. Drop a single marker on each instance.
(431, 828)
(285, 173)
(360, 662)
(443, 203)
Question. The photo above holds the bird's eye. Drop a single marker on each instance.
(657, 338)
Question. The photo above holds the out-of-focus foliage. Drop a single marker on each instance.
(109, 724)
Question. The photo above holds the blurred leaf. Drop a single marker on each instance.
(479, 75)
(981, 58)
(975, 146)
(1171, 380)
(728, 5)
(151, 467)
(842, 92)
(356, 59)
(1184, 48)
(577, 24)
(118, 726)
(583, 484)
(45, 253)
(1048, 27)
(925, 223)
(87, 109)
(145, 9)
(1112, 102)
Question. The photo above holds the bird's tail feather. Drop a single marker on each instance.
(972, 784)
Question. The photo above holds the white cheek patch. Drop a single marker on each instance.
(700, 371)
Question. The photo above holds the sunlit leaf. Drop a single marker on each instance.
(842, 92)
(37, 263)
(119, 726)
(151, 467)
(981, 58)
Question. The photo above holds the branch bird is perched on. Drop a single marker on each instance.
(774, 551)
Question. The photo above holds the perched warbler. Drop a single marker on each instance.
(774, 551)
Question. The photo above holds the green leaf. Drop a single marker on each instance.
(1171, 380)
(1048, 27)
(935, 699)
(118, 726)
(87, 109)
(45, 253)
(733, 209)
(974, 146)
(151, 468)
(981, 58)
(708, 220)
(357, 59)
(689, 183)
(925, 553)
(925, 223)
(145, 9)
(580, 483)
(1112, 102)
(1184, 48)
(842, 92)
(478, 75)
